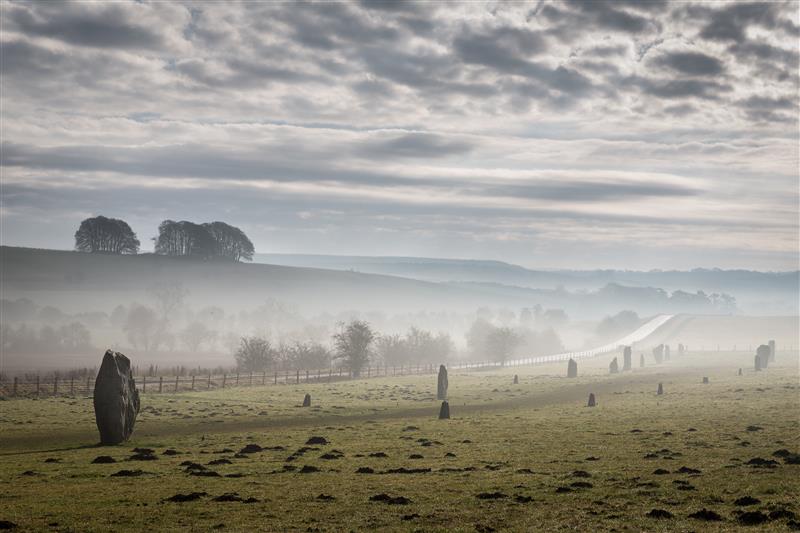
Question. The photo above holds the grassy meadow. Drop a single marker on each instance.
(524, 457)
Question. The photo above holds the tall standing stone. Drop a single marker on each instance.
(681, 350)
(658, 353)
(516, 379)
(441, 389)
(758, 363)
(763, 353)
(641, 360)
(705, 380)
(771, 345)
(740, 371)
(444, 411)
(116, 400)
(666, 352)
(660, 390)
(613, 367)
(572, 369)
(592, 402)
(307, 400)
(626, 359)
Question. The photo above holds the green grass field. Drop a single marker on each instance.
(520, 457)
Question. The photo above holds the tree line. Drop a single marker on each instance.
(210, 240)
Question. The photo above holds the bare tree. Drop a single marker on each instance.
(196, 334)
(255, 354)
(501, 343)
(353, 345)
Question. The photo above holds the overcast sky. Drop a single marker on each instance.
(552, 134)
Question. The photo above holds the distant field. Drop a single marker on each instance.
(513, 457)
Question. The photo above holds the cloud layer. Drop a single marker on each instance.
(554, 134)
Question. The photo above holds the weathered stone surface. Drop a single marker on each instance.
(771, 345)
(681, 350)
(572, 369)
(763, 353)
(592, 402)
(626, 358)
(613, 367)
(641, 360)
(660, 390)
(516, 379)
(705, 380)
(441, 389)
(758, 363)
(740, 371)
(307, 400)
(116, 400)
(444, 411)
(658, 353)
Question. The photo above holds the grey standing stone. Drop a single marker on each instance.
(592, 402)
(626, 359)
(758, 363)
(660, 390)
(613, 368)
(763, 353)
(116, 400)
(572, 369)
(705, 380)
(771, 345)
(441, 389)
(681, 350)
(641, 360)
(307, 400)
(658, 353)
(444, 411)
(666, 352)
(516, 379)
(740, 371)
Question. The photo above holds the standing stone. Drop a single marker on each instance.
(740, 371)
(660, 390)
(592, 403)
(641, 360)
(444, 411)
(441, 389)
(307, 400)
(771, 345)
(763, 353)
(758, 363)
(613, 368)
(116, 400)
(666, 352)
(658, 353)
(516, 379)
(705, 380)
(572, 369)
(626, 359)
(681, 350)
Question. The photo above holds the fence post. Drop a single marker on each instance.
(176, 383)
(144, 384)
(276, 379)
(264, 377)
(330, 373)
(306, 376)
(251, 379)
(88, 385)
(72, 386)
(208, 387)
(160, 383)
(16, 381)
(368, 370)
(55, 385)
(37, 384)
(224, 379)
(298, 376)
(192, 381)
(237, 379)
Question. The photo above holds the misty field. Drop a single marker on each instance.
(520, 457)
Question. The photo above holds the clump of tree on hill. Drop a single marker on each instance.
(106, 235)
(204, 241)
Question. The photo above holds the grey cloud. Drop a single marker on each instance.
(415, 145)
(731, 22)
(691, 63)
(767, 109)
(680, 88)
(106, 27)
(577, 190)
(606, 15)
